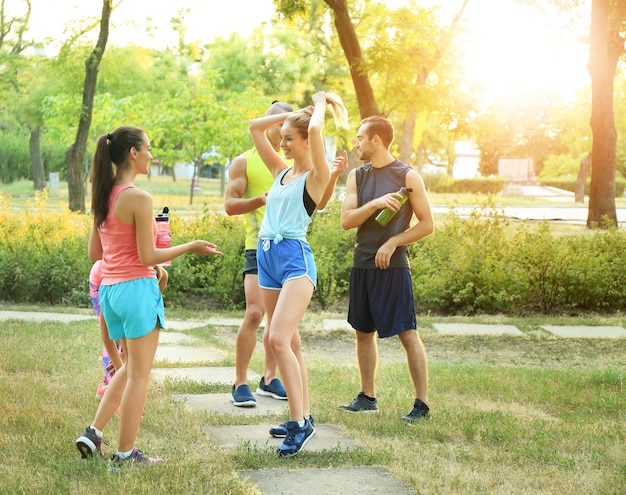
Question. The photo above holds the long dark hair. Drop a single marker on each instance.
(111, 149)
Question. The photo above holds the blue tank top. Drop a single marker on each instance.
(286, 216)
(373, 183)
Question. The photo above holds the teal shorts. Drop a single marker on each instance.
(132, 309)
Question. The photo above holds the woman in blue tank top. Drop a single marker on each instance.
(287, 274)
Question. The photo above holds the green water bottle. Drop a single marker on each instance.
(387, 214)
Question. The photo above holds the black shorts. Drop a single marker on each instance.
(250, 267)
(382, 301)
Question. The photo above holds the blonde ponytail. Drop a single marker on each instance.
(338, 109)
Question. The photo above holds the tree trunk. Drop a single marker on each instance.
(605, 49)
(352, 50)
(36, 162)
(76, 152)
(406, 142)
(581, 180)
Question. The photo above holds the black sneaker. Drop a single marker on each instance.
(242, 396)
(296, 438)
(89, 443)
(361, 404)
(420, 411)
(280, 431)
(273, 389)
(136, 458)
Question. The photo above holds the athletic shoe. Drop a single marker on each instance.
(280, 431)
(89, 443)
(419, 411)
(102, 388)
(296, 438)
(242, 396)
(274, 389)
(136, 458)
(361, 404)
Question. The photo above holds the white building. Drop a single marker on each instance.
(467, 159)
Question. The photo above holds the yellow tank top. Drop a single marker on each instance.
(260, 181)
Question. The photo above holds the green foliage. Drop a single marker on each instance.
(570, 185)
(561, 166)
(332, 248)
(479, 264)
(212, 281)
(485, 265)
(14, 156)
(491, 185)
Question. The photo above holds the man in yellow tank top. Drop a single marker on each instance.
(249, 180)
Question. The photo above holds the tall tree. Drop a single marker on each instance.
(76, 152)
(17, 78)
(361, 72)
(608, 21)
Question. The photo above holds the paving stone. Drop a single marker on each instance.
(476, 329)
(586, 332)
(166, 337)
(330, 324)
(220, 375)
(187, 354)
(183, 325)
(366, 480)
(230, 437)
(229, 322)
(222, 404)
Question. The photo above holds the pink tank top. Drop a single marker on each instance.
(120, 259)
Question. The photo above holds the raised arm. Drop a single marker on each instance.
(320, 172)
(273, 161)
(339, 166)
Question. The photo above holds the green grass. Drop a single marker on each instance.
(532, 414)
(177, 196)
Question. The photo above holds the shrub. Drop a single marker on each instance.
(480, 264)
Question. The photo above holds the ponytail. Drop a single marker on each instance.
(111, 149)
(338, 109)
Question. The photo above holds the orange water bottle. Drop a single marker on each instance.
(164, 236)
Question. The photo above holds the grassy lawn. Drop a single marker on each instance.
(533, 414)
(177, 196)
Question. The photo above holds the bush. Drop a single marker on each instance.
(480, 264)
(490, 185)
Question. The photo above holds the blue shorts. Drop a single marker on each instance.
(250, 267)
(381, 300)
(132, 309)
(284, 261)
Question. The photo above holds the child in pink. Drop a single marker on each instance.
(111, 352)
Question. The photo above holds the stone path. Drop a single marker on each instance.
(204, 366)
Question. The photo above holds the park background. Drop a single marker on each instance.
(532, 414)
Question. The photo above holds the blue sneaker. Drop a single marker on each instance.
(280, 431)
(274, 389)
(296, 438)
(242, 396)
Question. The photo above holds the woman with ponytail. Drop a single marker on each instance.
(287, 272)
(123, 236)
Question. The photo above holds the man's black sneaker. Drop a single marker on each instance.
(361, 404)
(419, 411)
